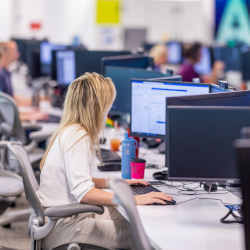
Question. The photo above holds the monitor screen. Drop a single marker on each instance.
(200, 142)
(121, 77)
(91, 60)
(46, 56)
(237, 98)
(149, 101)
(65, 65)
(174, 53)
(230, 56)
(205, 65)
(128, 61)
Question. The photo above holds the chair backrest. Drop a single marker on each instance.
(123, 196)
(9, 119)
(29, 180)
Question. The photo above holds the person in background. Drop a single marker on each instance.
(68, 164)
(9, 55)
(192, 56)
(159, 53)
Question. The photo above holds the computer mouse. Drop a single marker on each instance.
(172, 202)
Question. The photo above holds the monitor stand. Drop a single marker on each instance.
(162, 148)
(210, 187)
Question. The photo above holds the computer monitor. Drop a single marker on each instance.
(90, 60)
(147, 46)
(237, 98)
(122, 79)
(128, 61)
(200, 142)
(204, 67)
(46, 49)
(243, 162)
(65, 67)
(174, 52)
(148, 117)
(230, 56)
(245, 65)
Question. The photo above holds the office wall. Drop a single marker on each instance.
(5, 19)
(185, 20)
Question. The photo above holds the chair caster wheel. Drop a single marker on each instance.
(74, 246)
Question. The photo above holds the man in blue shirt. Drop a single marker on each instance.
(9, 54)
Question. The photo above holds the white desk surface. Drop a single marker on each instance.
(191, 225)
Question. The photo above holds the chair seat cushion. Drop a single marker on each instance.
(10, 186)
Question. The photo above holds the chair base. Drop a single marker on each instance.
(15, 216)
(82, 247)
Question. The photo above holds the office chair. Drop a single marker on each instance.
(11, 186)
(123, 196)
(42, 221)
(12, 129)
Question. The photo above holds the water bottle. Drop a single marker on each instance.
(128, 153)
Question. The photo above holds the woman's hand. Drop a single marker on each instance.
(153, 197)
(138, 182)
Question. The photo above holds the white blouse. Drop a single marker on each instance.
(66, 174)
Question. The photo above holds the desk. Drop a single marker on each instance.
(191, 225)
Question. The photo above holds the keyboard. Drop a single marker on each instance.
(140, 189)
(109, 156)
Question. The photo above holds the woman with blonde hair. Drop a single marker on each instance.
(66, 175)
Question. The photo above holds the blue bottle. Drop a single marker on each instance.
(128, 153)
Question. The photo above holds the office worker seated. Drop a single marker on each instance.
(159, 54)
(67, 166)
(192, 56)
(9, 55)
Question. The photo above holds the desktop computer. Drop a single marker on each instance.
(128, 61)
(46, 49)
(90, 61)
(204, 67)
(148, 117)
(243, 162)
(174, 52)
(200, 142)
(122, 79)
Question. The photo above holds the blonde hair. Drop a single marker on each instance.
(157, 51)
(87, 102)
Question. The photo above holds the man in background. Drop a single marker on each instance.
(10, 54)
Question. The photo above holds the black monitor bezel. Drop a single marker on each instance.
(167, 158)
(106, 59)
(207, 96)
(146, 135)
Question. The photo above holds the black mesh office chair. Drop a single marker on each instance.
(11, 129)
(42, 221)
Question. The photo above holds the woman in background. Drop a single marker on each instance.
(159, 53)
(192, 56)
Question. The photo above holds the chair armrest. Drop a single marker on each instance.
(30, 126)
(40, 135)
(72, 209)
